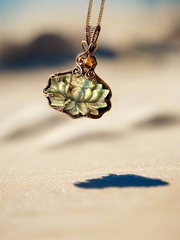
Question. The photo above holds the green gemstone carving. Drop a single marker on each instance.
(76, 95)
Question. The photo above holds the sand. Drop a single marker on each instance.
(130, 157)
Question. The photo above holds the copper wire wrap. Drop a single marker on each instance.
(89, 44)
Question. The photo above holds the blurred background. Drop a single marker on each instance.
(44, 153)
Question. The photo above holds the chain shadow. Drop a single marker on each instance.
(121, 181)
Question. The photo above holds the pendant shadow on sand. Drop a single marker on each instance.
(121, 181)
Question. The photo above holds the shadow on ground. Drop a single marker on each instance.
(88, 138)
(153, 123)
(159, 121)
(121, 181)
(24, 132)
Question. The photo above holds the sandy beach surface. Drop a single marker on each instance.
(113, 178)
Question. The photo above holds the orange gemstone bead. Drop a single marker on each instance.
(90, 62)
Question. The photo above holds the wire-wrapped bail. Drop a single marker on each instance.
(91, 37)
(85, 62)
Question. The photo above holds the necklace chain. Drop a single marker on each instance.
(100, 12)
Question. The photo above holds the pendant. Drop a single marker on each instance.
(80, 92)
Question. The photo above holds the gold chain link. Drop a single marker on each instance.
(100, 13)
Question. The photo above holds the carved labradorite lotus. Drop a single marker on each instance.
(78, 96)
